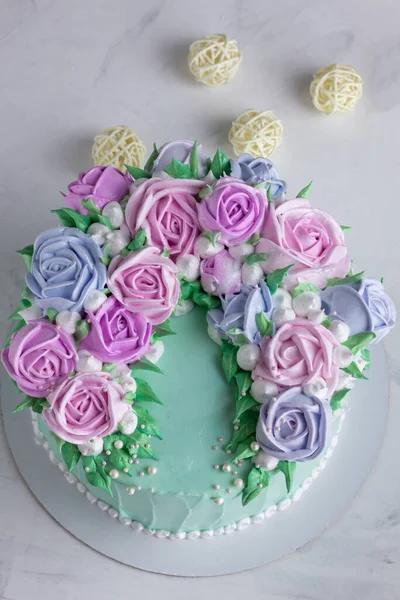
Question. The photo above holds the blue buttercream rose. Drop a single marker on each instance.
(364, 306)
(238, 313)
(66, 266)
(255, 170)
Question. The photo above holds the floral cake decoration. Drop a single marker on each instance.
(292, 320)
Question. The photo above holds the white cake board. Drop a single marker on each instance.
(359, 441)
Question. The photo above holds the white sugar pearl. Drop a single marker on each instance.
(87, 363)
(128, 422)
(282, 315)
(130, 491)
(98, 233)
(114, 214)
(316, 316)
(305, 302)
(218, 500)
(116, 241)
(189, 266)
(67, 320)
(226, 468)
(91, 448)
(114, 474)
(265, 461)
(282, 298)
(252, 274)
(118, 444)
(254, 446)
(94, 300)
(262, 390)
(205, 249)
(156, 351)
(340, 330)
(241, 251)
(316, 387)
(238, 482)
(345, 381)
(128, 385)
(247, 356)
(182, 309)
(152, 470)
(342, 356)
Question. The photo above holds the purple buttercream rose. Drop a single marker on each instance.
(116, 334)
(234, 209)
(180, 150)
(101, 184)
(220, 274)
(255, 170)
(364, 306)
(294, 426)
(239, 312)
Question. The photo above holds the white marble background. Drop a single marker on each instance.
(68, 69)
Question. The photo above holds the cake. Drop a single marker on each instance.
(186, 340)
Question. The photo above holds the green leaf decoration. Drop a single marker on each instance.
(288, 468)
(305, 192)
(71, 455)
(202, 299)
(244, 450)
(326, 323)
(27, 403)
(150, 424)
(82, 329)
(243, 404)
(19, 325)
(51, 314)
(139, 240)
(105, 221)
(269, 194)
(188, 288)
(150, 161)
(143, 452)
(105, 260)
(144, 364)
(60, 443)
(27, 254)
(357, 342)
(194, 161)
(220, 165)
(345, 228)
(178, 170)
(337, 398)
(254, 259)
(108, 367)
(99, 477)
(205, 191)
(165, 253)
(348, 279)
(366, 355)
(243, 382)
(274, 279)
(163, 329)
(142, 440)
(144, 393)
(138, 173)
(264, 325)
(92, 209)
(213, 236)
(247, 427)
(255, 478)
(304, 287)
(22, 305)
(254, 239)
(72, 218)
(229, 364)
(354, 371)
(119, 459)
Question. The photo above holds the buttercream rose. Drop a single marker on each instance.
(145, 282)
(66, 266)
(116, 334)
(220, 274)
(309, 239)
(234, 209)
(85, 407)
(237, 314)
(100, 184)
(299, 352)
(180, 150)
(255, 170)
(40, 356)
(294, 426)
(167, 210)
(364, 306)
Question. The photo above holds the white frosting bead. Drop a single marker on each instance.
(252, 274)
(128, 423)
(282, 298)
(241, 251)
(121, 372)
(316, 316)
(94, 300)
(184, 308)
(87, 363)
(214, 335)
(31, 314)
(340, 330)
(282, 315)
(342, 356)
(156, 351)
(129, 385)
(305, 302)
(262, 390)
(316, 387)
(265, 461)
(67, 320)
(98, 232)
(114, 214)
(247, 356)
(116, 241)
(91, 448)
(205, 249)
(189, 266)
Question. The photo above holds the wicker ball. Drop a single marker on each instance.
(336, 89)
(256, 133)
(118, 146)
(214, 59)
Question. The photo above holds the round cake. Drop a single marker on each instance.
(187, 337)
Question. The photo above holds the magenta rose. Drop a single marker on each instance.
(167, 210)
(39, 357)
(116, 334)
(299, 352)
(85, 407)
(101, 184)
(220, 274)
(296, 234)
(233, 208)
(145, 282)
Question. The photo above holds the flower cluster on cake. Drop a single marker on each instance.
(292, 320)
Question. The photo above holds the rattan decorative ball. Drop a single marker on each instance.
(214, 59)
(256, 133)
(118, 146)
(336, 89)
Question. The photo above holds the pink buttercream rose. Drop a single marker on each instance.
(234, 209)
(101, 184)
(308, 238)
(167, 210)
(220, 274)
(39, 357)
(87, 406)
(145, 282)
(298, 352)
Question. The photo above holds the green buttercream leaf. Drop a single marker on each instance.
(269, 197)
(305, 192)
(244, 450)
(51, 314)
(348, 279)
(304, 287)
(254, 259)
(354, 371)
(138, 173)
(163, 329)
(143, 452)
(139, 240)
(165, 253)
(243, 382)
(145, 418)
(178, 170)
(202, 299)
(212, 236)
(150, 161)
(274, 279)
(366, 355)
(92, 209)
(220, 164)
(27, 403)
(72, 218)
(358, 341)
(144, 364)
(71, 455)
(251, 491)
(99, 478)
(243, 404)
(144, 393)
(27, 254)
(254, 239)
(194, 161)
(105, 221)
(337, 398)
(22, 305)
(345, 228)
(229, 364)
(247, 427)
(108, 367)
(264, 325)
(205, 191)
(288, 468)
(105, 260)
(124, 252)
(19, 325)
(82, 329)
(326, 323)
(188, 288)
(119, 459)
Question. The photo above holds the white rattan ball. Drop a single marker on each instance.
(336, 89)
(256, 133)
(118, 146)
(214, 59)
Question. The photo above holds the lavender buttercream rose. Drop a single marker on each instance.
(100, 184)
(294, 426)
(180, 150)
(255, 170)
(220, 274)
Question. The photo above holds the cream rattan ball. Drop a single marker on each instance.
(118, 146)
(214, 59)
(336, 89)
(256, 133)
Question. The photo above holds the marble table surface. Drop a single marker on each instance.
(70, 69)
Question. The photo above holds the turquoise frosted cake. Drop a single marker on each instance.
(186, 339)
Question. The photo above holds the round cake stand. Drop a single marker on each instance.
(260, 543)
